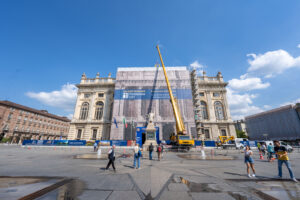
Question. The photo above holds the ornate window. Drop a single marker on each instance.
(79, 134)
(87, 95)
(223, 132)
(203, 110)
(94, 134)
(216, 94)
(206, 133)
(99, 110)
(219, 110)
(84, 111)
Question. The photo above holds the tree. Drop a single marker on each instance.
(241, 134)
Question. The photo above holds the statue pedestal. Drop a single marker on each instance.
(150, 136)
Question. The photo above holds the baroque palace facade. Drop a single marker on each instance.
(18, 123)
(212, 114)
(103, 104)
(93, 110)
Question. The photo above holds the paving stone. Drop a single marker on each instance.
(224, 187)
(94, 195)
(120, 182)
(200, 179)
(171, 195)
(151, 180)
(211, 196)
(178, 187)
(130, 195)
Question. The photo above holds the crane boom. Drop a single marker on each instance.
(180, 128)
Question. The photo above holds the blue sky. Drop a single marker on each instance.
(44, 45)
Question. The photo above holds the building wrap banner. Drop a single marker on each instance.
(55, 142)
(147, 94)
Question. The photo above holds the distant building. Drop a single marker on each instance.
(212, 114)
(277, 124)
(93, 111)
(240, 125)
(18, 122)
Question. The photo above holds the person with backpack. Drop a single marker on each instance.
(150, 151)
(159, 149)
(137, 156)
(111, 158)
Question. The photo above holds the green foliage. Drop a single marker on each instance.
(241, 134)
(4, 140)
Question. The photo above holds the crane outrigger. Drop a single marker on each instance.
(182, 138)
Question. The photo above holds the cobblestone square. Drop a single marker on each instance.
(25, 171)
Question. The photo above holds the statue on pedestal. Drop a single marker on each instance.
(150, 132)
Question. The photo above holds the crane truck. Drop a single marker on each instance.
(181, 139)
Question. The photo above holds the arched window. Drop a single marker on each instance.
(203, 110)
(84, 111)
(99, 110)
(219, 110)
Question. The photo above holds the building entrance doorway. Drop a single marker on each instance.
(143, 138)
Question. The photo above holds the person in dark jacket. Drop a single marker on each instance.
(111, 158)
(150, 151)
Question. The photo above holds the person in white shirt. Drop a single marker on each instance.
(249, 161)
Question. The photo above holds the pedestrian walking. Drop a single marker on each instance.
(98, 150)
(259, 146)
(249, 161)
(270, 149)
(282, 157)
(162, 150)
(137, 156)
(111, 158)
(263, 149)
(150, 151)
(158, 152)
(95, 146)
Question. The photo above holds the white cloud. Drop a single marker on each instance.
(64, 99)
(271, 63)
(265, 65)
(198, 67)
(241, 104)
(247, 84)
(70, 116)
(298, 45)
(290, 102)
(267, 107)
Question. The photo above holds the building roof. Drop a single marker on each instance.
(270, 111)
(40, 112)
(175, 68)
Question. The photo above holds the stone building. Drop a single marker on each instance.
(240, 125)
(18, 122)
(211, 109)
(93, 110)
(117, 108)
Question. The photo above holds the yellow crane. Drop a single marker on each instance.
(181, 139)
